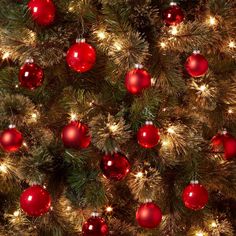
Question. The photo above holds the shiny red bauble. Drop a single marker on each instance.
(136, 80)
(42, 11)
(196, 65)
(11, 140)
(195, 196)
(149, 215)
(31, 75)
(35, 201)
(76, 135)
(95, 226)
(148, 135)
(226, 143)
(115, 166)
(81, 56)
(173, 15)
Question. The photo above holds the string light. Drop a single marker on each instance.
(101, 34)
(109, 209)
(16, 213)
(202, 88)
(212, 21)
(3, 168)
(174, 30)
(213, 224)
(5, 55)
(118, 46)
(68, 208)
(139, 175)
(73, 116)
(230, 111)
(113, 128)
(163, 45)
(165, 143)
(25, 144)
(199, 234)
(170, 130)
(232, 44)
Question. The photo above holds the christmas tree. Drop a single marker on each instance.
(118, 117)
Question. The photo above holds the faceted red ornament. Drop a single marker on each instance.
(35, 201)
(31, 75)
(115, 167)
(136, 80)
(226, 142)
(11, 140)
(173, 15)
(42, 11)
(95, 226)
(195, 196)
(76, 135)
(81, 56)
(196, 65)
(148, 215)
(148, 135)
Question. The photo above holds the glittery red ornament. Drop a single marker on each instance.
(226, 143)
(148, 135)
(81, 56)
(136, 80)
(42, 11)
(76, 135)
(30, 75)
(11, 140)
(173, 15)
(115, 167)
(95, 226)
(195, 196)
(35, 201)
(149, 215)
(196, 65)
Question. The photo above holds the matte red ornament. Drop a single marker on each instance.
(195, 196)
(31, 75)
(136, 80)
(81, 56)
(148, 135)
(95, 226)
(42, 11)
(35, 201)
(11, 140)
(173, 15)
(196, 65)
(76, 135)
(115, 167)
(148, 215)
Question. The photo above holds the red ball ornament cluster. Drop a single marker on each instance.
(76, 135)
(148, 135)
(11, 140)
(31, 75)
(137, 79)
(195, 196)
(196, 65)
(81, 56)
(173, 15)
(115, 166)
(148, 215)
(35, 201)
(95, 226)
(225, 141)
(42, 11)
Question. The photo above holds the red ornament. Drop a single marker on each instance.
(76, 135)
(11, 140)
(136, 80)
(196, 65)
(149, 215)
(173, 15)
(30, 75)
(148, 135)
(35, 201)
(226, 142)
(95, 226)
(81, 56)
(195, 196)
(115, 167)
(42, 11)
